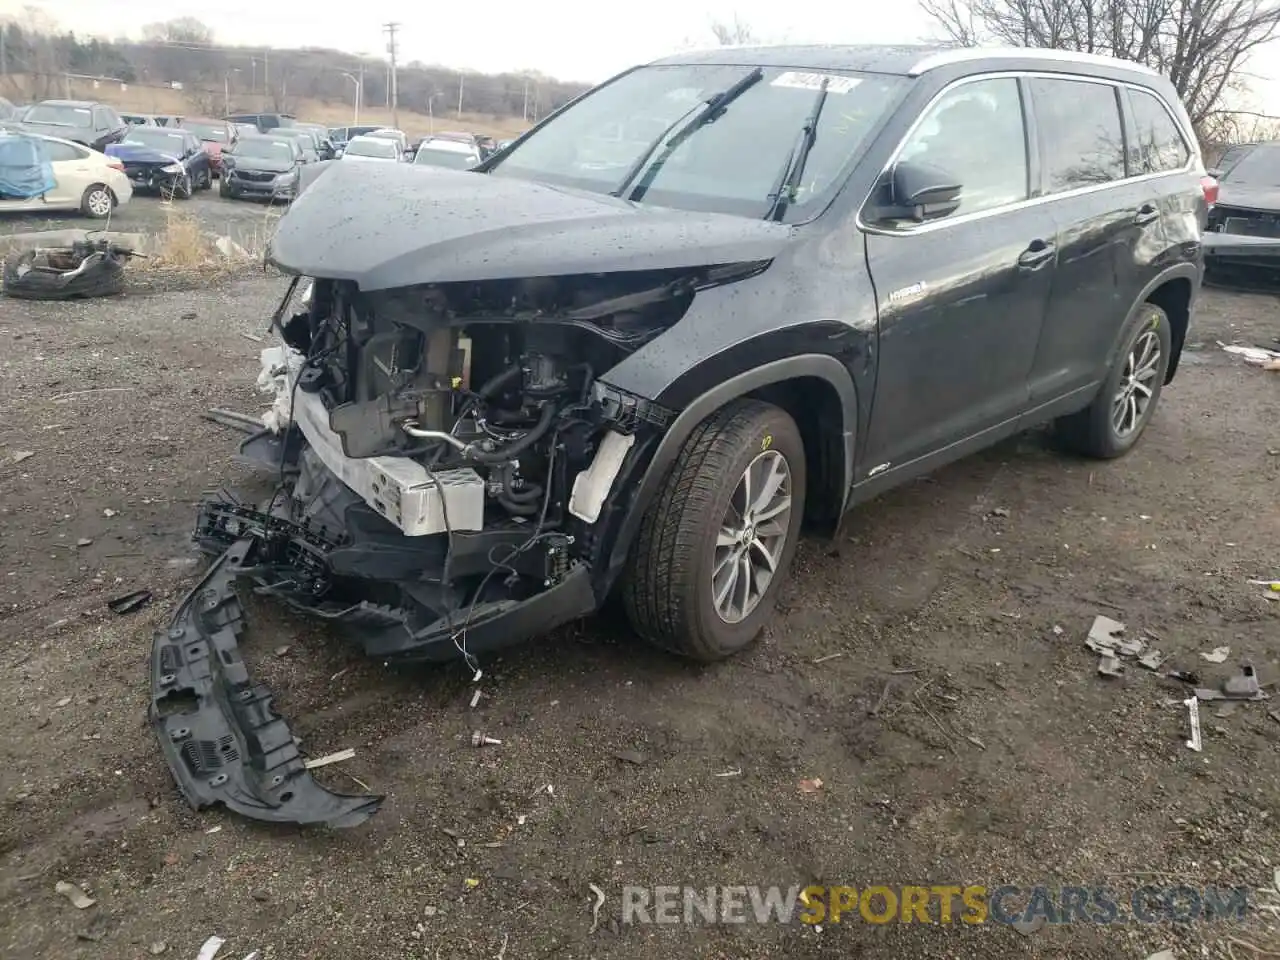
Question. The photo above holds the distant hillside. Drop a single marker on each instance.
(179, 69)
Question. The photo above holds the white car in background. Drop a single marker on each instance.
(85, 180)
(376, 149)
(400, 138)
(446, 153)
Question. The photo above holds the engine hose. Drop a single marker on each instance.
(531, 492)
(509, 451)
(496, 383)
(518, 509)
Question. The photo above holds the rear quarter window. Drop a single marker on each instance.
(1082, 140)
(63, 152)
(1158, 144)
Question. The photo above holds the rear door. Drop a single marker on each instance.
(71, 169)
(1109, 231)
(961, 299)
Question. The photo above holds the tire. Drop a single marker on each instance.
(97, 202)
(1093, 431)
(104, 278)
(181, 190)
(224, 188)
(668, 589)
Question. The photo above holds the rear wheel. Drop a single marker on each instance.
(716, 545)
(97, 201)
(1111, 425)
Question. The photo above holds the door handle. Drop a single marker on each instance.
(1037, 255)
(1147, 213)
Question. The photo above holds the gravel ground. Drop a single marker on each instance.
(998, 755)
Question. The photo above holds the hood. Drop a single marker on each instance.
(137, 153)
(261, 164)
(1253, 196)
(392, 225)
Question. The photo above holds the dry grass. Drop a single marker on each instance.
(184, 253)
(162, 100)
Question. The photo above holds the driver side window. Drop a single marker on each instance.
(975, 134)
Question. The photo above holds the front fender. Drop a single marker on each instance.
(820, 366)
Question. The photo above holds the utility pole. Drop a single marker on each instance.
(391, 29)
(461, 81)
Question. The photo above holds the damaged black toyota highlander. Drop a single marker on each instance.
(713, 299)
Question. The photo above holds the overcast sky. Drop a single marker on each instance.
(568, 39)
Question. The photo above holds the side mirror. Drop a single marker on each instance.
(922, 192)
(1215, 173)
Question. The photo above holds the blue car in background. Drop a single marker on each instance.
(167, 161)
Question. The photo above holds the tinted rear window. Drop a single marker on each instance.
(1080, 131)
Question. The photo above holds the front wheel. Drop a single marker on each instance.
(716, 544)
(1111, 425)
(181, 188)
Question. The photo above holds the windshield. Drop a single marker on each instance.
(157, 139)
(729, 165)
(208, 131)
(382, 149)
(265, 149)
(453, 159)
(58, 116)
(1259, 166)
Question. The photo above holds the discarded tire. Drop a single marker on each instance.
(66, 273)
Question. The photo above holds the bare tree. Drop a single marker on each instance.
(732, 34)
(178, 30)
(1202, 46)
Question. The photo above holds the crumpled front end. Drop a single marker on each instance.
(453, 472)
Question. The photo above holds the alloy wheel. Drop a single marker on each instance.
(99, 203)
(752, 536)
(1137, 385)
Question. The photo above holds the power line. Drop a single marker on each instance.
(392, 92)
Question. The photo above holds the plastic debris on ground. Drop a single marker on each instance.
(324, 761)
(1243, 686)
(79, 899)
(1258, 356)
(210, 948)
(130, 602)
(1217, 654)
(1193, 713)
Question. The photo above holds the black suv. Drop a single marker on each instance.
(713, 299)
(94, 125)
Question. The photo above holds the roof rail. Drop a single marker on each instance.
(965, 54)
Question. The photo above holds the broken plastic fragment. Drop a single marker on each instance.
(1193, 712)
(1152, 659)
(210, 948)
(1110, 666)
(1104, 635)
(73, 893)
(1217, 654)
(324, 761)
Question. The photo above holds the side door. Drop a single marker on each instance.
(1109, 234)
(71, 170)
(961, 298)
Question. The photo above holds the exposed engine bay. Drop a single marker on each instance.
(444, 450)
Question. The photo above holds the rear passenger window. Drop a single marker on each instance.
(62, 152)
(1079, 123)
(975, 134)
(1158, 144)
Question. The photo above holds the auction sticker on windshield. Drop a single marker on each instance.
(812, 81)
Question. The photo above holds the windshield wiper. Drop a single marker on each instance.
(709, 112)
(793, 169)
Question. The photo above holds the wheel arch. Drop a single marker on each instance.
(810, 387)
(1173, 291)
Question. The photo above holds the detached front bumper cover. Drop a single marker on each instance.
(220, 734)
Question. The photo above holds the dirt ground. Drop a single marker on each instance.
(1004, 758)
